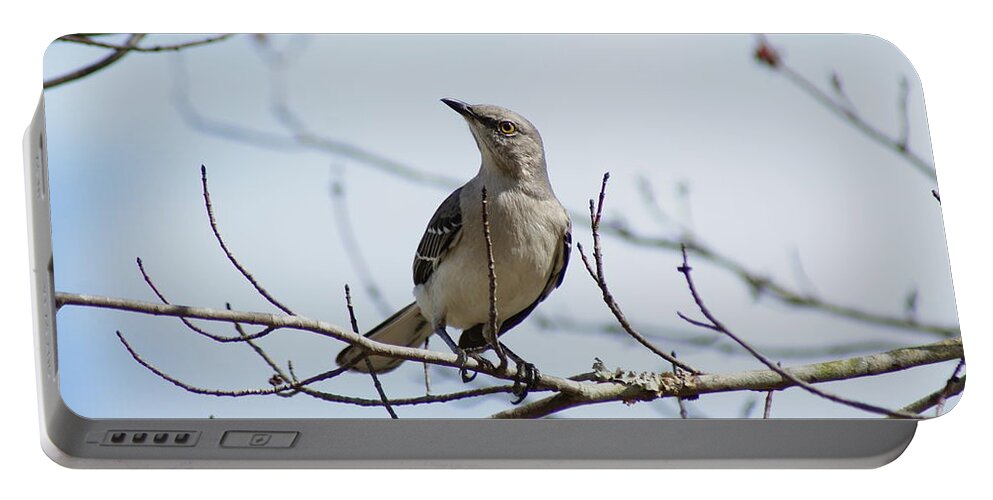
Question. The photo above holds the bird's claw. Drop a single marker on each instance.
(463, 357)
(525, 380)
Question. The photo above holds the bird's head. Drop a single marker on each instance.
(506, 140)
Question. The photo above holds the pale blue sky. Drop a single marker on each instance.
(770, 172)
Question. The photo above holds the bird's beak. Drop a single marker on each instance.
(459, 106)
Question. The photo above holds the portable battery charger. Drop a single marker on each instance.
(486, 251)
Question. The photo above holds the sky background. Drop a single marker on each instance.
(771, 177)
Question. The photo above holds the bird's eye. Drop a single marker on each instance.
(507, 127)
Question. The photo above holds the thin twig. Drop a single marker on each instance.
(419, 400)
(368, 363)
(802, 277)
(953, 380)
(683, 413)
(237, 131)
(953, 387)
(768, 405)
(259, 351)
(766, 286)
(848, 112)
(902, 104)
(714, 324)
(190, 388)
(217, 235)
(86, 40)
(663, 219)
(326, 396)
(96, 66)
(713, 343)
(596, 212)
(427, 372)
(343, 224)
(491, 331)
(243, 337)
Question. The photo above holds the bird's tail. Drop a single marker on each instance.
(405, 328)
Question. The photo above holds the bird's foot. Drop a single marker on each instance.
(461, 355)
(525, 380)
(461, 358)
(476, 354)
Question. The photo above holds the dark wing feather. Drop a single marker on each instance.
(473, 337)
(442, 233)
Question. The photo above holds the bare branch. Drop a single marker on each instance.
(217, 235)
(190, 388)
(87, 40)
(492, 331)
(601, 281)
(353, 250)
(954, 387)
(425, 366)
(343, 224)
(96, 66)
(261, 353)
(420, 400)
(767, 286)
(714, 343)
(368, 363)
(662, 218)
(620, 385)
(904, 138)
(770, 56)
(716, 325)
(683, 413)
(293, 388)
(607, 386)
(243, 337)
(310, 325)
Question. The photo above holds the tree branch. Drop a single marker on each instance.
(96, 66)
(605, 387)
(242, 335)
(368, 363)
(600, 279)
(220, 241)
(310, 325)
(761, 284)
(492, 330)
(714, 324)
(629, 387)
(768, 55)
(86, 40)
(953, 387)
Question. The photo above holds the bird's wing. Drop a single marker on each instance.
(473, 337)
(442, 234)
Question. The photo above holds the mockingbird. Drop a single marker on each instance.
(531, 239)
